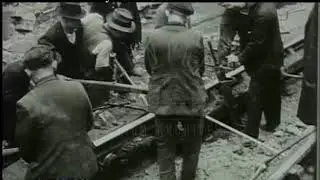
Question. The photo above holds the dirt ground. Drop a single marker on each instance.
(223, 158)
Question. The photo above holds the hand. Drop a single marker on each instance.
(103, 51)
(232, 59)
(4, 144)
(62, 77)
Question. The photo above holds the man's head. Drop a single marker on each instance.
(41, 58)
(70, 15)
(179, 12)
(120, 24)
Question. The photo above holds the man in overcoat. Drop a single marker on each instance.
(307, 110)
(66, 36)
(52, 123)
(262, 56)
(174, 58)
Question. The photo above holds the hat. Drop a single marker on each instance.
(121, 20)
(184, 8)
(39, 56)
(71, 10)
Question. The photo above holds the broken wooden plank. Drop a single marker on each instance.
(123, 129)
(294, 158)
(144, 99)
(113, 85)
(241, 134)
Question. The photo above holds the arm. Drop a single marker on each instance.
(160, 17)
(96, 39)
(25, 133)
(202, 60)
(148, 56)
(257, 40)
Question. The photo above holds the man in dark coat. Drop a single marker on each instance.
(174, 57)
(52, 123)
(66, 36)
(307, 111)
(15, 84)
(262, 57)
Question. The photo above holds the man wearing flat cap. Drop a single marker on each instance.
(161, 18)
(174, 58)
(52, 123)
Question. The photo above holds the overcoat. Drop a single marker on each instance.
(174, 57)
(307, 110)
(52, 124)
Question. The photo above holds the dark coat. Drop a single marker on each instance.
(263, 48)
(307, 110)
(133, 8)
(53, 120)
(102, 8)
(71, 54)
(174, 57)
(15, 84)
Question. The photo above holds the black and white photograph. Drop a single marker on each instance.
(121, 90)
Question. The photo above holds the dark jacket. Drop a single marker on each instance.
(53, 120)
(71, 54)
(132, 7)
(174, 57)
(15, 84)
(263, 48)
(307, 110)
(103, 8)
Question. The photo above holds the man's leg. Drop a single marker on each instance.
(166, 148)
(254, 109)
(191, 148)
(271, 99)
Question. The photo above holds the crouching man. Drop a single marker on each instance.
(174, 57)
(52, 123)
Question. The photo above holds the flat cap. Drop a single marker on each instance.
(40, 56)
(184, 8)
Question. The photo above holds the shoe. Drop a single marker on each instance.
(137, 72)
(269, 128)
(249, 144)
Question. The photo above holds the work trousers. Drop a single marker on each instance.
(174, 130)
(264, 96)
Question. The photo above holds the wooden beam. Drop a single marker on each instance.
(113, 85)
(123, 129)
(294, 158)
(144, 99)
